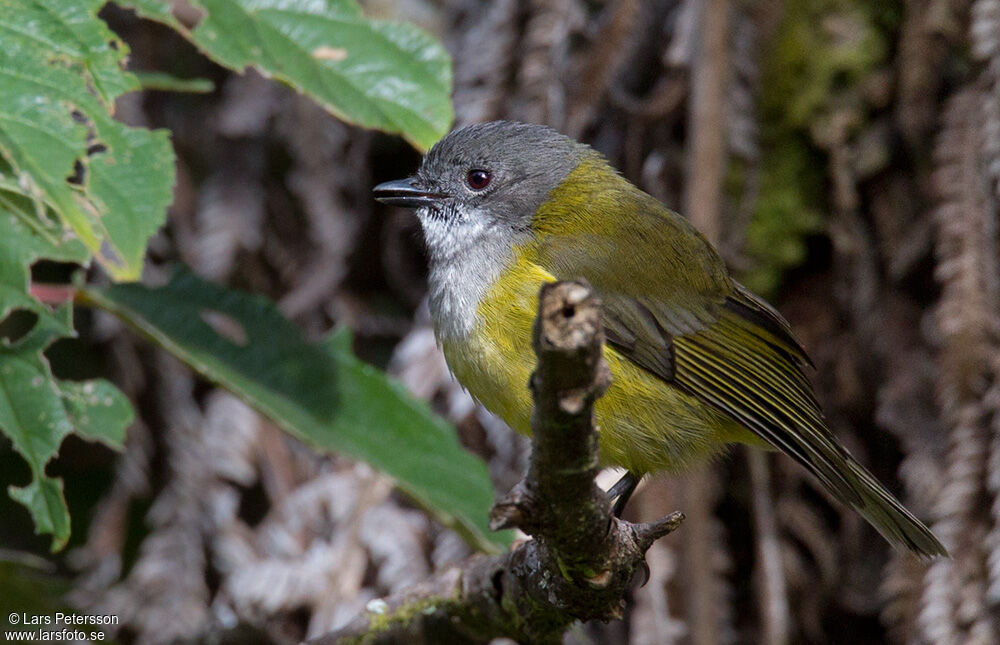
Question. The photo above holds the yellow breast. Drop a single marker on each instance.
(646, 424)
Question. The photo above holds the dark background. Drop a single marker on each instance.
(845, 157)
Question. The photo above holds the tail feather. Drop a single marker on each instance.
(748, 366)
(888, 515)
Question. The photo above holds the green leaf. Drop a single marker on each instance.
(377, 74)
(31, 585)
(69, 36)
(98, 410)
(318, 392)
(26, 240)
(37, 412)
(60, 71)
(400, 435)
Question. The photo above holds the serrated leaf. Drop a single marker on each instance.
(26, 240)
(98, 410)
(318, 392)
(43, 497)
(131, 184)
(60, 71)
(37, 412)
(377, 74)
(74, 39)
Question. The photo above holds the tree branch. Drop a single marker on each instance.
(581, 560)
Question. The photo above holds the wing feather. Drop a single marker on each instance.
(755, 377)
(764, 394)
(673, 310)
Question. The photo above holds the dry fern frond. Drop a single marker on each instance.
(984, 29)
(955, 608)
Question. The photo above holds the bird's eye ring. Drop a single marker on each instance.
(478, 179)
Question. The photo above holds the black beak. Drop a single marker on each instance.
(405, 193)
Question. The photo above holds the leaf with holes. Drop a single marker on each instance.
(60, 72)
(37, 411)
(74, 184)
(377, 74)
(319, 393)
(26, 240)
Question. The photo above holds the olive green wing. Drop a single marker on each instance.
(665, 279)
(671, 308)
(748, 365)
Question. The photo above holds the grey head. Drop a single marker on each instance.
(475, 195)
(481, 184)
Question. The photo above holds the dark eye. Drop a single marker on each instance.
(478, 179)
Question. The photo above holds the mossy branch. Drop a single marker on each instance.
(582, 558)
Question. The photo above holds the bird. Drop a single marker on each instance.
(698, 361)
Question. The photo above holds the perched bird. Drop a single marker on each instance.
(697, 360)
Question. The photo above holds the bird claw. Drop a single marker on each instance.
(641, 574)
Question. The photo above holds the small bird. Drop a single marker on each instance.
(697, 360)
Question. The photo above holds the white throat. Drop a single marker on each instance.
(466, 258)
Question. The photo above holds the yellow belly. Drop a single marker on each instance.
(646, 424)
